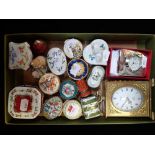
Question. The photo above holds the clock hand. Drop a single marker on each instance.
(124, 103)
(130, 102)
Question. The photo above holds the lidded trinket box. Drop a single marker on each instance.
(39, 47)
(39, 65)
(68, 90)
(96, 76)
(72, 109)
(73, 48)
(20, 55)
(24, 102)
(56, 60)
(90, 107)
(77, 69)
(52, 108)
(49, 83)
(83, 88)
(96, 53)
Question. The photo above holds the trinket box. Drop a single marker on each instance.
(72, 109)
(39, 65)
(96, 76)
(96, 53)
(52, 108)
(68, 90)
(39, 47)
(56, 60)
(83, 88)
(90, 107)
(20, 55)
(77, 69)
(39, 62)
(24, 102)
(49, 83)
(73, 48)
(129, 64)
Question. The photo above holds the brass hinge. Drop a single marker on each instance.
(153, 82)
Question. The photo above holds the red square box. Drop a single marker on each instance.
(147, 53)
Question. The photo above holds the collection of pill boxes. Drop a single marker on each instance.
(84, 70)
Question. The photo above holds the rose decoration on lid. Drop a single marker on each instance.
(72, 109)
(49, 83)
(68, 90)
(52, 108)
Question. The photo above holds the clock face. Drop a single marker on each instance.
(127, 99)
(135, 63)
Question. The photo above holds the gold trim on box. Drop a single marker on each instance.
(142, 111)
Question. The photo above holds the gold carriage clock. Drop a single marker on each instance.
(128, 98)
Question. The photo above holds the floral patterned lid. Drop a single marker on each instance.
(52, 107)
(72, 109)
(96, 76)
(49, 83)
(77, 69)
(96, 53)
(73, 48)
(24, 102)
(20, 55)
(56, 60)
(68, 90)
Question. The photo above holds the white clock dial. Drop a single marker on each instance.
(135, 63)
(127, 99)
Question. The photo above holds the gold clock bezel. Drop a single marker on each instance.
(142, 111)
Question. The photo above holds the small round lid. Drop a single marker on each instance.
(49, 83)
(77, 69)
(52, 107)
(73, 48)
(68, 89)
(72, 109)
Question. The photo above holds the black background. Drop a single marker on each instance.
(71, 26)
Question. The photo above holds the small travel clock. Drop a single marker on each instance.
(134, 63)
(128, 98)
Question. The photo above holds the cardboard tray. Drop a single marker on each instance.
(18, 77)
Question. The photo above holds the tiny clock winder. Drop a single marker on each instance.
(128, 99)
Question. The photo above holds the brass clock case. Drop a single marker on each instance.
(142, 111)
